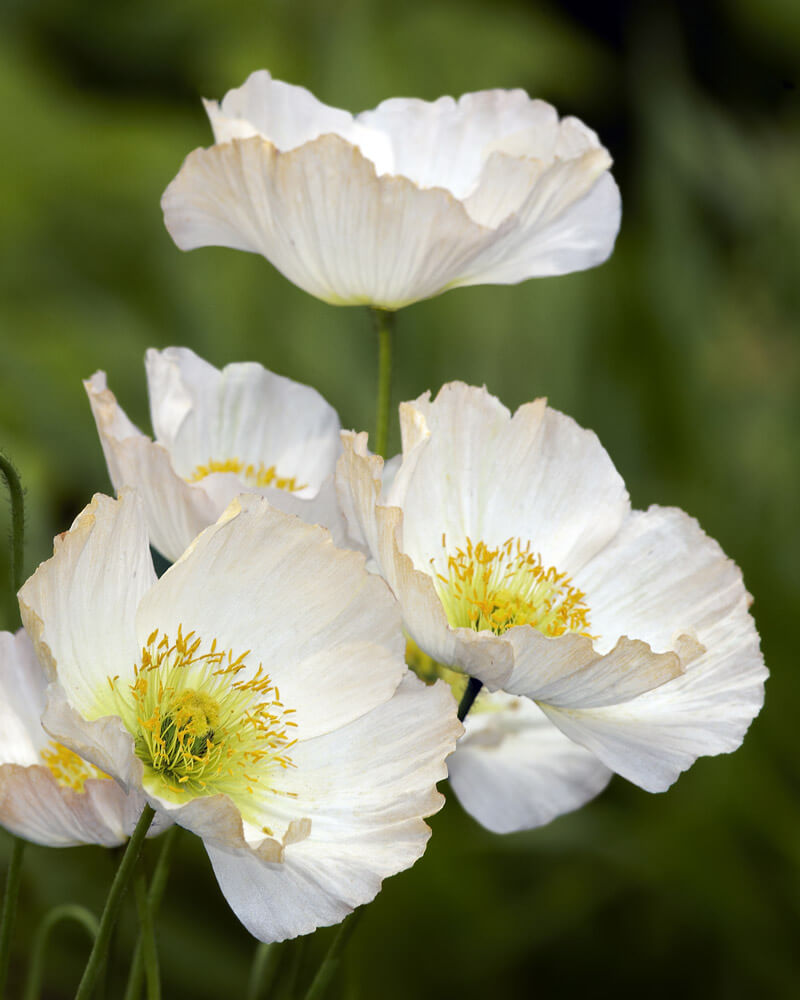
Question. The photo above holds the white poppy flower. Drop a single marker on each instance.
(219, 434)
(512, 547)
(47, 793)
(399, 203)
(256, 692)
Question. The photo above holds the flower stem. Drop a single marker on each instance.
(158, 884)
(262, 971)
(384, 325)
(67, 911)
(113, 903)
(14, 875)
(331, 962)
(10, 908)
(17, 497)
(147, 937)
(469, 696)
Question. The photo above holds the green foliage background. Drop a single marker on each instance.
(681, 352)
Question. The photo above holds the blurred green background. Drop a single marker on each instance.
(682, 352)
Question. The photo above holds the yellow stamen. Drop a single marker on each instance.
(494, 589)
(254, 475)
(69, 770)
(203, 722)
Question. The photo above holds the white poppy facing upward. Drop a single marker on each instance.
(399, 203)
(219, 434)
(613, 639)
(47, 793)
(257, 693)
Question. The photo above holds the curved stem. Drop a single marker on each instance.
(14, 874)
(154, 896)
(331, 962)
(67, 911)
(384, 325)
(469, 696)
(113, 903)
(10, 908)
(17, 520)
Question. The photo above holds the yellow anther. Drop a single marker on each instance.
(69, 770)
(254, 475)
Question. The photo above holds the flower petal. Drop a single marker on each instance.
(22, 700)
(176, 511)
(243, 411)
(514, 770)
(365, 794)
(568, 222)
(476, 471)
(664, 577)
(79, 606)
(325, 219)
(34, 806)
(296, 599)
(444, 143)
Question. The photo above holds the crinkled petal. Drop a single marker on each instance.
(359, 484)
(296, 599)
(568, 222)
(472, 470)
(33, 805)
(365, 794)
(664, 577)
(325, 219)
(79, 606)
(289, 116)
(22, 700)
(514, 770)
(176, 511)
(444, 143)
(243, 411)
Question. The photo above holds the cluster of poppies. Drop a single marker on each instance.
(293, 687)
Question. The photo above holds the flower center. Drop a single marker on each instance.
(494, 589)
(202, 722)
(69, 770)
(253, 475)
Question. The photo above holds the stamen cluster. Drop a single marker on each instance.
(69, 770)
(495, 589)
(254, 475)
(202, 721)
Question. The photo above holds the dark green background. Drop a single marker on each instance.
(681, 352)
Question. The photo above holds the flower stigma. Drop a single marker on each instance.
(494, 589)
(69, 770)
(203, 723)
(254, 475)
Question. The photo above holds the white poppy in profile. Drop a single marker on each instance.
(620, 640)
(47, 793)
(399, 203)
(257, 693)
(219, 433)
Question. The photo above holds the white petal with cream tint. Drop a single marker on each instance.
(47, 793)
(219, 433)
(265, 705)
(399, 203)
(511, 545)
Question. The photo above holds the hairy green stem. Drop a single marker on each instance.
(469, 696)
(17, 520)
(67, 911)
(113, 903)
(158, 884)
(384, 325)
(331, 962)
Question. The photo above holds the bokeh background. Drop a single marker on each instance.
(682, 352)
